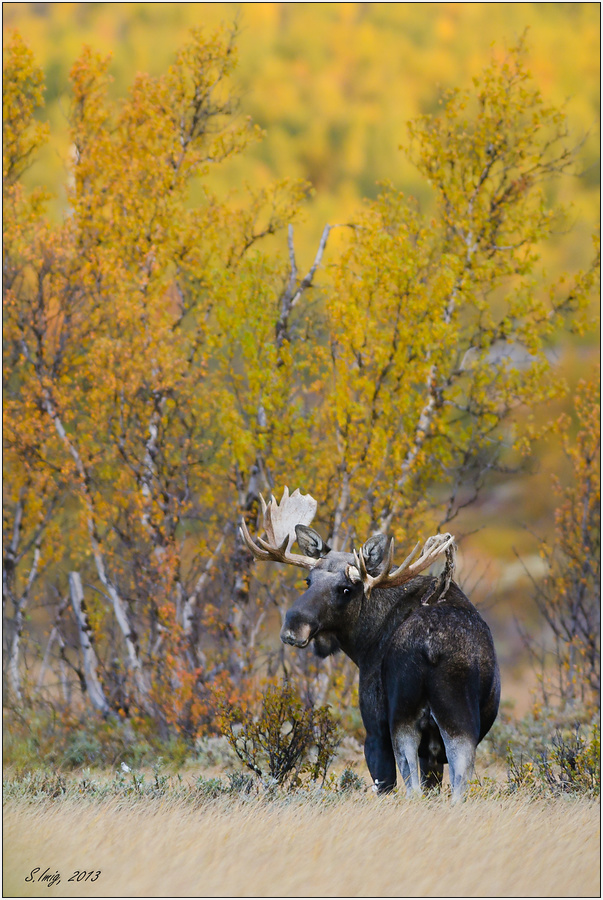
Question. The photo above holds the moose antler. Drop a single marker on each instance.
(433, 547)
(279, 525)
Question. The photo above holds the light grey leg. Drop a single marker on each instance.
(406, 749)
(461, 763)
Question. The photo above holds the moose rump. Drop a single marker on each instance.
(440, 687)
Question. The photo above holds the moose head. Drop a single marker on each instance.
(339, 582)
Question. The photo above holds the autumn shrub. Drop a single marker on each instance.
(286, 741)
(165, 364)
(571, 764)
(579, 760)
(548, 751)
(566, 652)
(41, 736)
(349, 780)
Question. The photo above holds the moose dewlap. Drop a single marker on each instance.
(429, 684)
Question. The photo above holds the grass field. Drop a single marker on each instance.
(347, 846)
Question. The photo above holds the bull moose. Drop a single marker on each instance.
(429, 684)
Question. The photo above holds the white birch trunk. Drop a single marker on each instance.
(190, 602)
(118, 604)
(93, 685)
(336, 539)
(19, 604)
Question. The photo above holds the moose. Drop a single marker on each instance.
(429, 683)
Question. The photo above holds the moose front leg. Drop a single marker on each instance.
(380, 760)
(378, 750)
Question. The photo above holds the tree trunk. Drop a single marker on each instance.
(93, 686)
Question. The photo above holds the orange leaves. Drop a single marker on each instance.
(142, 336)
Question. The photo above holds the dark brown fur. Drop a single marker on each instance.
(429, 684)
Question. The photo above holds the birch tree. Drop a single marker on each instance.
(440, 325)
(169, 357)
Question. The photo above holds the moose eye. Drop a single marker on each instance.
(345, 591)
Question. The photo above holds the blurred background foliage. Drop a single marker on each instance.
(333, 86)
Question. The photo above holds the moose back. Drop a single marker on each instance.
(429, 684)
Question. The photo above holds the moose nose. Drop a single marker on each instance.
(296, 636)
(287, 636)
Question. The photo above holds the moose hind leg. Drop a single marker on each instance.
(406, 749)
(457, 716)
(460, 751)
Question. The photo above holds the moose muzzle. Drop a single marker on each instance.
(296, 631)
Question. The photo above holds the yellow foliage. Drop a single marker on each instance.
(167, 360)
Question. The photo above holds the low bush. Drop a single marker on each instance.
(285, 741)
(549, 751)
(284, 744)
(42, 736)
(570, 764)
(349, 780)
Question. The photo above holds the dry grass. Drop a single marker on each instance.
(356, 847)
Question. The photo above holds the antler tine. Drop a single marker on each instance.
(361, 564)
(410, 557)
(279, 523)
(275, 552)
(386, 565)
(439, 546)
(389, 559)
(370, 581)
(261, 549)
(251, 545)
(432, 548)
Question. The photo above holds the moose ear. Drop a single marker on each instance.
(311, 542)
(374, 551)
